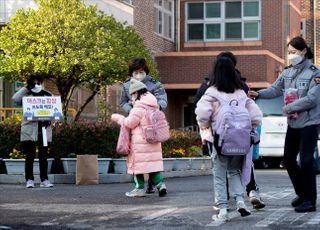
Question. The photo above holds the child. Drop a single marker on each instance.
(227, 85)
(143, 157)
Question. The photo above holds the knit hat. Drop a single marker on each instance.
(135, 86)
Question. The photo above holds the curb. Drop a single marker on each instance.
(103, 178)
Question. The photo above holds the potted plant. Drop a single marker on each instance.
(70, 164)
(16, 163)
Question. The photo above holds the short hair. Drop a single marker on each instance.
(35, 77)
(136, 64)
(300, 44)
(225, 77)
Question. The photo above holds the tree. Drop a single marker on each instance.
(70, 43)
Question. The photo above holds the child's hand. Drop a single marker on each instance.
(118, 118)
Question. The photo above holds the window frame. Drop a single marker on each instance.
(222, 20)
(163, 11)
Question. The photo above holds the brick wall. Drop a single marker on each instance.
(144, 24)
(192, 69)
(313, 40)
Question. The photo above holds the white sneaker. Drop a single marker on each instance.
(255, 200)
(46, 184)
(136, 193)
(30, 184)
(242, 208)
(222, 216)
(162, 190)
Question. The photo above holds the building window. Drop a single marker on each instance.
(164, 18)
(127, 1)
(3, 12)
(228, 20)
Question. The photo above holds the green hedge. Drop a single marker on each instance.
(95, 138)
(9, 138)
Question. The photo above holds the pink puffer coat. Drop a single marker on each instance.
(143, 157)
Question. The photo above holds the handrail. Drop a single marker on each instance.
(6, 112)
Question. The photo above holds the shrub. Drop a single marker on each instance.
(9, 138)
(84, 138)
(71, 139)
(182, 144)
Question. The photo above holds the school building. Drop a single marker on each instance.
(185, 36)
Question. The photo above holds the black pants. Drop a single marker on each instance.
(29, 149)
(303, 176)
(252, 183)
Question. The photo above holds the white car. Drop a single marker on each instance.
(273, 131)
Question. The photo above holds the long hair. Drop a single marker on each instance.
(300, 44)
(225, 77)
(141, 92)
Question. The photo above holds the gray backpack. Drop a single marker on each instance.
(233, 127)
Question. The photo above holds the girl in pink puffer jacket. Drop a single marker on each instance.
(143, 157)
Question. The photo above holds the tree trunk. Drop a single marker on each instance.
(94, 93)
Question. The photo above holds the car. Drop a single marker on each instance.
(273, 132)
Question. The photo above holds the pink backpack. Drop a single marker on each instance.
(157, 129)
(123, 145)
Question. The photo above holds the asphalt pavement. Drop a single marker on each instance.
(188, 205)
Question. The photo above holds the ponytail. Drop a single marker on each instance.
(309, 53)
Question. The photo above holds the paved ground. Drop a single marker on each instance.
(187, 206)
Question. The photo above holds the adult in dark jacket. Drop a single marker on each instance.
(252, 188)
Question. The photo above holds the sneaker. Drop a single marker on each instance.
(215, 207)
(222, 216)
(255, 200)
(136, 193)
(30, 184)
(150, 189)
(162, 190)
(242, 208)
(46, 184)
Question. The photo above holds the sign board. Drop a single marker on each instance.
(42, 108)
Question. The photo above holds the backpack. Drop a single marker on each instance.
(233, 128)
(157, 129)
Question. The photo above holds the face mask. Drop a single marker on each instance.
(139, 76)
(295, 58)
(36, 88)
(134, 97)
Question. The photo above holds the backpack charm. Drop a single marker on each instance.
(233, 128)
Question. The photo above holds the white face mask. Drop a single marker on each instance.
(139, 76)
(295, 58)
(36, 88)
(134, 96)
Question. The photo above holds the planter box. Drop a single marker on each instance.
(184, 163)
(120, 166)
(201, 163)
(16, 166)
(168, 164)
(70, 165)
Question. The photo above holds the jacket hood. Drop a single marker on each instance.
(148, 99)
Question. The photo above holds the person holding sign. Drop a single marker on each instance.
(34, 133)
